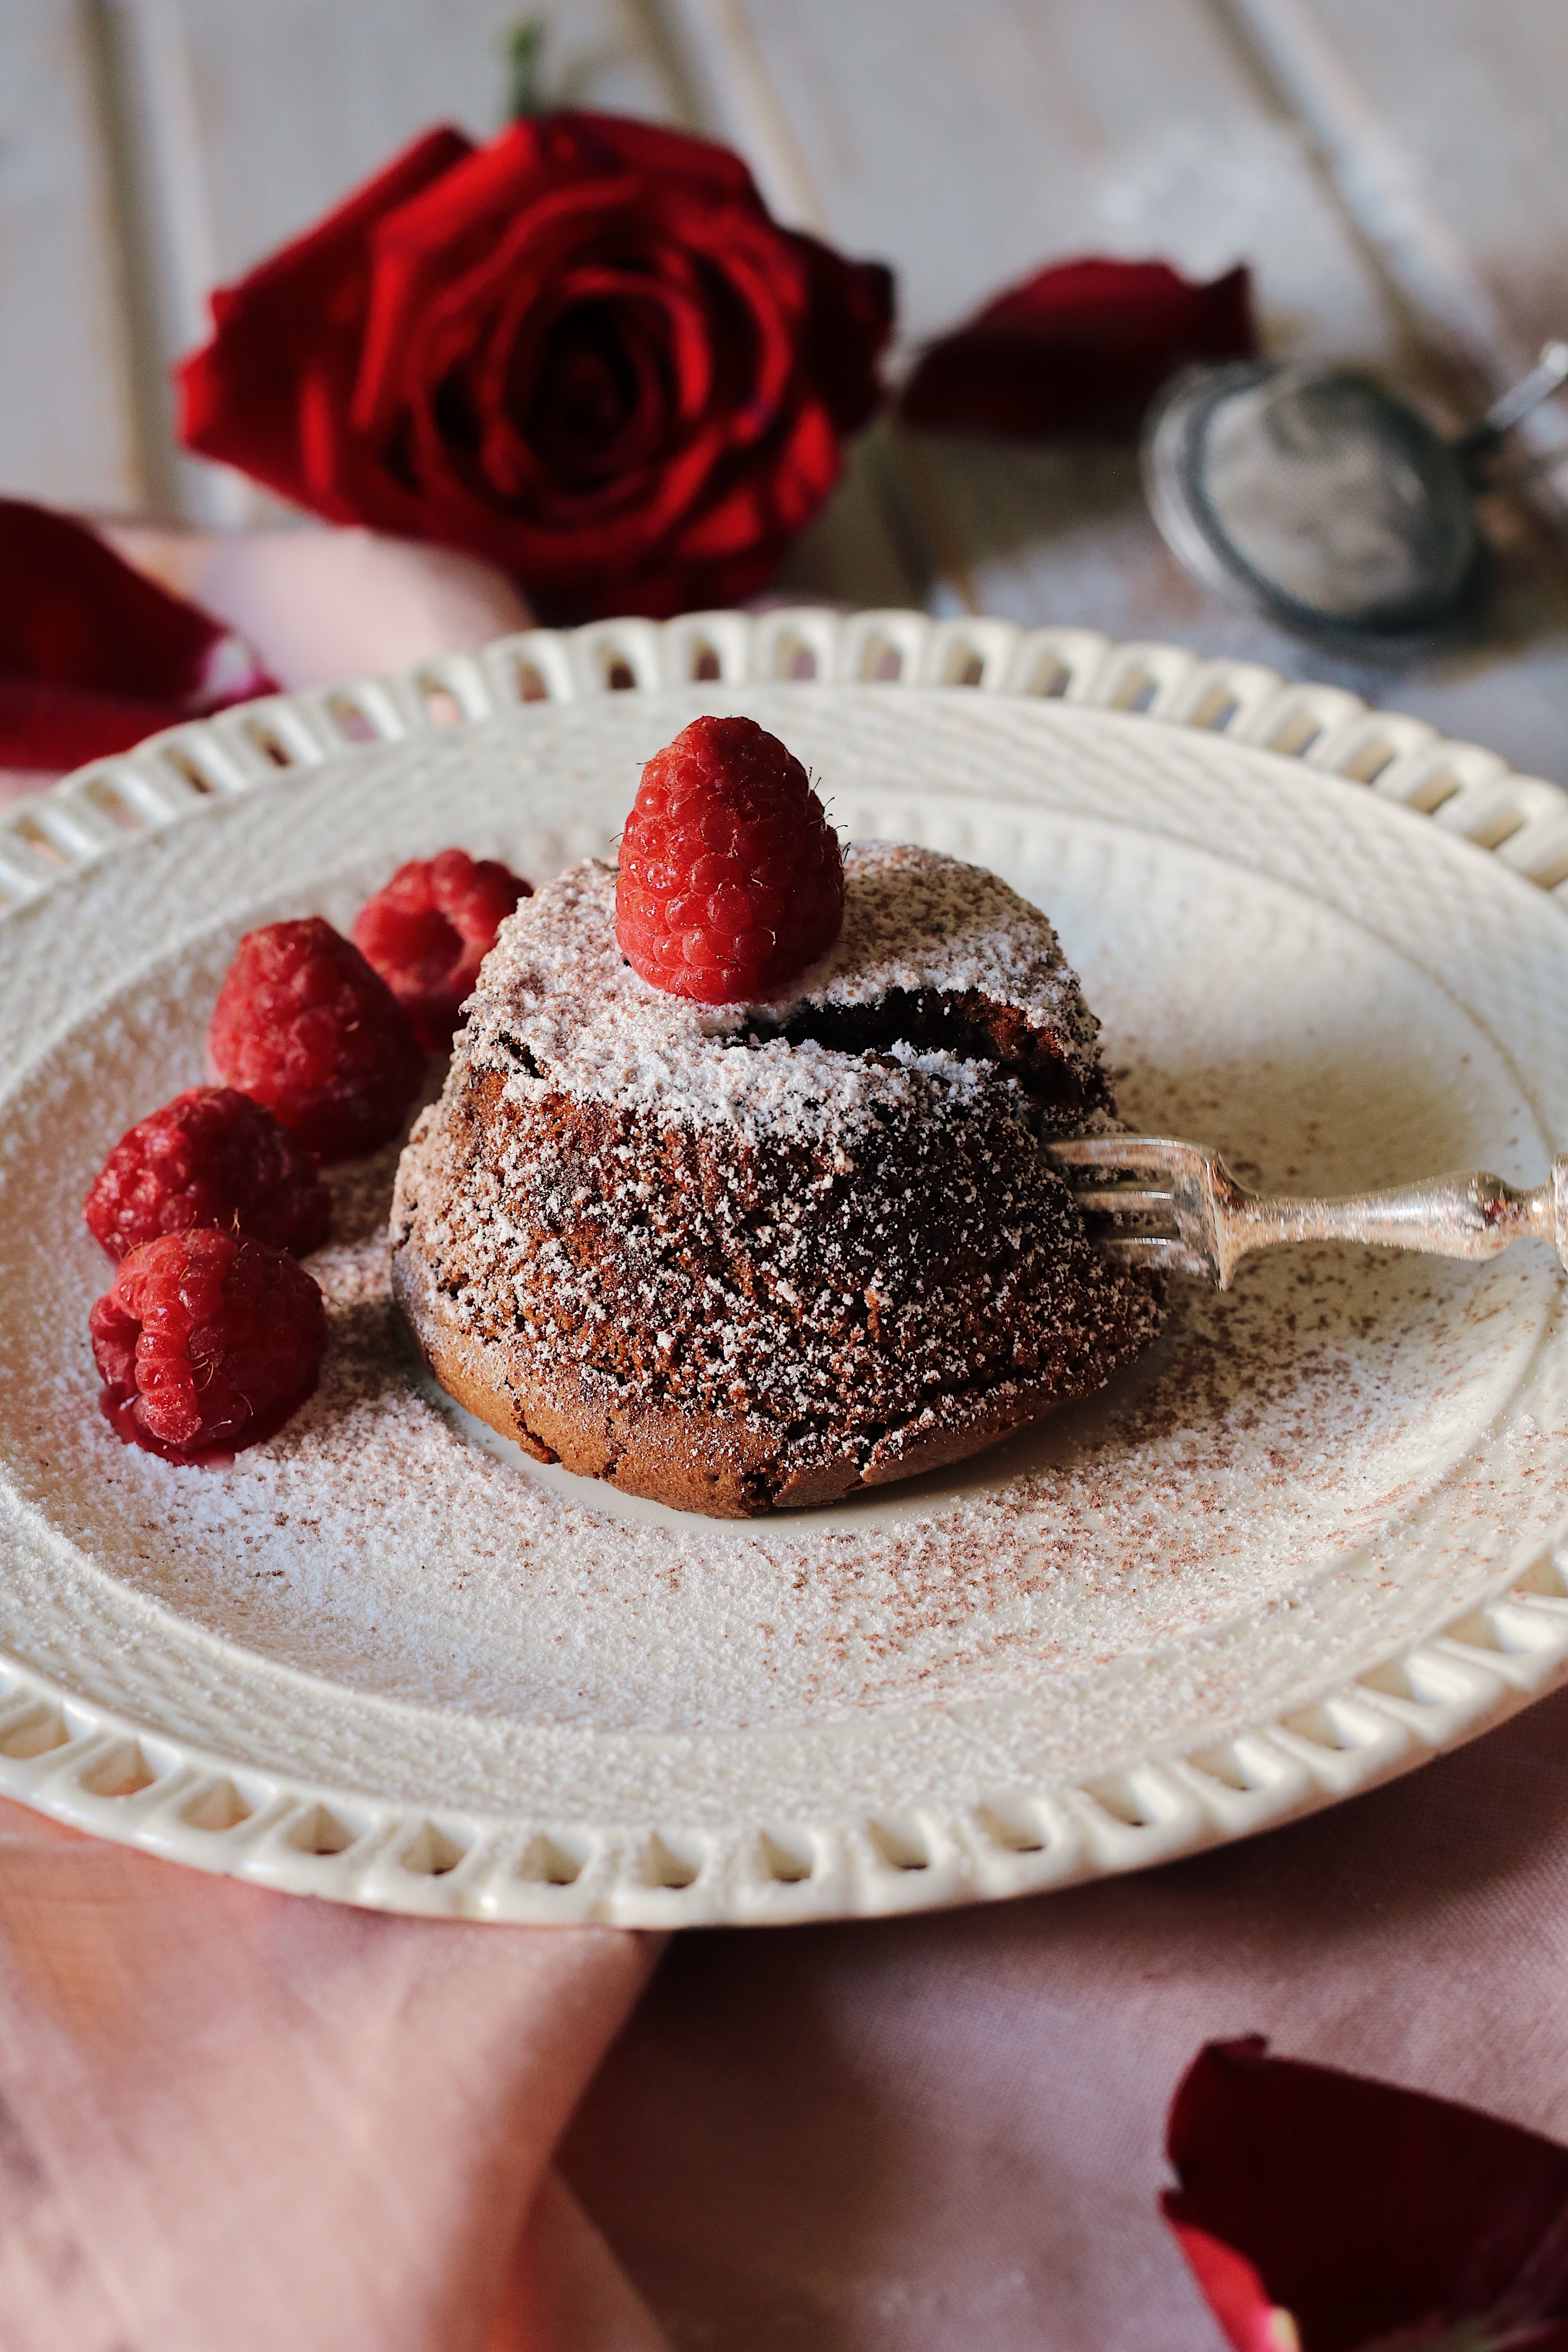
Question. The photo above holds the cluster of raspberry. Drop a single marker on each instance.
(212, 1333)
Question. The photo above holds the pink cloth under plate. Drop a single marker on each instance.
(235, 2118)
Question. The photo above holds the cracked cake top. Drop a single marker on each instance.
(941, 971)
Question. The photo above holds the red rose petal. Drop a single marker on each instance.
(1363, 2209)
(1078, 351)
(93, 655)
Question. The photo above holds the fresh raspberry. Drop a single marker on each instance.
(206, 1343)
(210, 1157)
(732, 879)
(305, 1026)
(428, 931)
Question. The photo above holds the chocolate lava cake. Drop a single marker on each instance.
(741, 1258)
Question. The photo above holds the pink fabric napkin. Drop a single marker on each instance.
(322, 605)
(945, 2133)
(234, 2121)
(317, 605)
(235, 2118)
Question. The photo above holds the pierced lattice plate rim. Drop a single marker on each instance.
(119, 1774)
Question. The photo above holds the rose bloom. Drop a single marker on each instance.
(585, 351)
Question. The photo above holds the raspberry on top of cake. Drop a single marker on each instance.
(732, 879)
(739, 1257)
(941, 974)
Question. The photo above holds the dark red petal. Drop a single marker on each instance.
(1363, 2208)
(1079, 350)
(1248, 2321)
(93, 655)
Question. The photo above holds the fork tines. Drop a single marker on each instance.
(1137, 1221)
(1152, 1201)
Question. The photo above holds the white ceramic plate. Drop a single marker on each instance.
(1308, 1542)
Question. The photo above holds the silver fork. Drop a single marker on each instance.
(1152, 1201)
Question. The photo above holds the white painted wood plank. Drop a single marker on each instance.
(1415, 209)
(1376, 180)
(1475, 91)
(300, 100)
(967, 149)
(67, 433)
(1044, 128)
(166, 245)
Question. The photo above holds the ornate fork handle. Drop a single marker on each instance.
(1134, 1189)
(1456, 1217)
(1472, 1215)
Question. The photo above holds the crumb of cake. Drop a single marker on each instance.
(304, 1026)
(732, 879)
(429, 929)
(210, 1157)
(206, 1344)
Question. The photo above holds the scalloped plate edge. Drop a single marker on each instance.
(101, 1771)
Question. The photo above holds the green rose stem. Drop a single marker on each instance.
(523, 47)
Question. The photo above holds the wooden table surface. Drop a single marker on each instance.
(1394, 170)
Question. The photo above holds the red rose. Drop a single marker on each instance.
(585, 351)
(1079, 350)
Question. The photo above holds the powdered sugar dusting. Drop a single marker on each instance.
(766, 1266)
(912, 920)
(1263, 1468)
(373, 1541)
